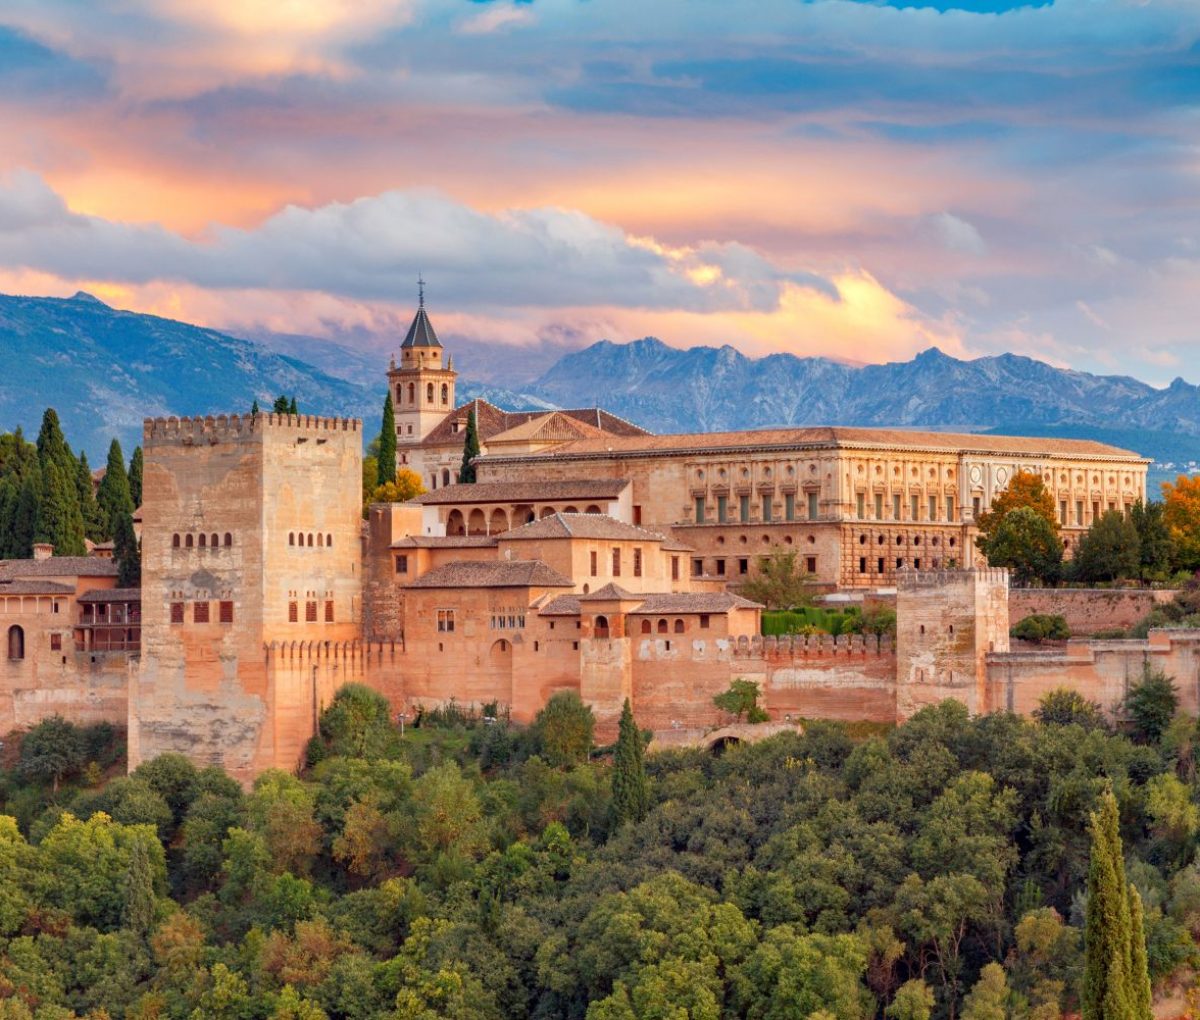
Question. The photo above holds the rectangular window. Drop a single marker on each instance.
(950, 509)
(1112, 505)
(310, 612)
(637, 562)
(574, 646)
(293, 613)
(699, 509)
(743, 566)
(674, 568)
(975, 504)
(1062, 511)
(879, 506)
(445, 621)
(225, 612)
(1095, 510)
(697, 568)
(402, 564)
(637, 515)
(199, 612)
(917, 563)
(704, 621)
(810, 564)
(1079, 511)
(720, 568)
(860, 508)
(895, 506)
(933, 508)
(177, 612)
(56, 642)
(616, 553)
(914, 507)
(812, 506)
(329, 612)
(722, 509)
(789, 506)
(595, 562)
(899, 564)
(862, 564)
(879, 565)
(766, 508)
(744, 508)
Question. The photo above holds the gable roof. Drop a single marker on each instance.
(525, 492)
(611, 592)
(420, 333)
(552, 427)
(493, 574)
(491, 421)
(601, 526)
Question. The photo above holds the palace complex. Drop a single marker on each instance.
(589, 555)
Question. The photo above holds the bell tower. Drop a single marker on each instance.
(422, 385)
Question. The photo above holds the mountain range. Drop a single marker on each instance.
(104, 370)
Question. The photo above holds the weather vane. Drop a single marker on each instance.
(421, 289)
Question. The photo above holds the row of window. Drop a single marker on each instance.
(202, 612)
(306, 540)
(743, 566)
(766, 509)
(914, 507)
(616, 562)
(429, 394)
(201, 541)
(1096, 511)
(310, 611)
(508, 619)
(881, 564)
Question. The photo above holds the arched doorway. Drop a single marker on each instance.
(499, 522)
(600, 630)
(477, 523)
(16, 643)
(455, 525)
(500, 654)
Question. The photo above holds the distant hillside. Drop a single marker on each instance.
(105, 370)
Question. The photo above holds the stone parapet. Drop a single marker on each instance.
(910, 579)
(213, 428)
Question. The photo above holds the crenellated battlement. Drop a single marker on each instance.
(806, 646)
(909, 579)
(215, 428)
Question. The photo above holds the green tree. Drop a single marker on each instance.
(741, 701)
(988, 1000)
(913, 1001)
(254, 407)
(114, 496)
(138, 913)
(386, 457)
(630, 787)
(282, 405)
(26, 520)
(1151, 704)
(1038, 627)
(1024, 542)
(52, 444)
(127, 552)
(1024, 490)
(779, 581)
(50, 751)
(1109, 550)
(292, 408)
(466, 473)
(1115, 979)
(59, 519)
(1155, 546)
(1065, 707)
(136, 463)
(358, 723)
(9, 494)
(563, 730)
(95, 526)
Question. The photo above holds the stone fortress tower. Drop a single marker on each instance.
(423, 384)
(251, 585)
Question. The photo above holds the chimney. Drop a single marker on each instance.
(42, 550)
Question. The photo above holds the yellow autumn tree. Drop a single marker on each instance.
(1181, 514)
(406, 486)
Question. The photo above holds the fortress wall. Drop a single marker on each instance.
(1087, 610)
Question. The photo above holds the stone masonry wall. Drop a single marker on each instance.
(1087, 610)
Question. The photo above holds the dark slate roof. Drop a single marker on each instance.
(524, 492)
(59, 566)
(695, 602)
(600, 526)
(420, 333)
(112, 595)
(491, 420)
(493, 574)
(35, 588)
(446, 542)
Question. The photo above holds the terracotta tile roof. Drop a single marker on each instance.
(601, 526)
(695, 602)
(35, 588)
(525, 492)
(552, 427)
(832, 437)
(491, 420)
(493, 574)
(609, 592)
(446, 542)
(59, 566)
(112, 595)
(561, 605)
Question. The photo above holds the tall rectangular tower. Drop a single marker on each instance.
(251, 543)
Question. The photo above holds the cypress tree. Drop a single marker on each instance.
(470, 450)
(254, 407)
(52, 444)
(387, 443)
(135, 477)
(59, 520)
(127, 553)
(630, 788)
(281, 405)
(137, 914)
(26, 517)
(1116, 982)
(292, 408)
(95, 523)
(114, 496)
(8, 514)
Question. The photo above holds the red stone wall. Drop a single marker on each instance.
(1086, 610)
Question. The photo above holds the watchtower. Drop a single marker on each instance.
(422, 385)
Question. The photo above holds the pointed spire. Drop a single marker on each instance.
(420, 291)
(421, 332)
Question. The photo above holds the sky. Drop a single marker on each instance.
(861, 179)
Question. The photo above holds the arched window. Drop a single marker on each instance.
(291, 538)
(320, 540)
(429, 393)
(189, 541)
(646, 628)
(445, 476)
(213, 541)
(678, 626)
(228, 540)
(412, 393)
(16, 642)
(328, 541)
(601, 628)
(174, 541)
(310, 538)
(203, 540)
(662, 626)
(445, 394)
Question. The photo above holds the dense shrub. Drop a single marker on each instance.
(1041, 627)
